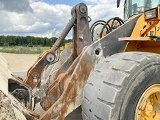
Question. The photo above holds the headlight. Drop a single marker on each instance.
(151, 14)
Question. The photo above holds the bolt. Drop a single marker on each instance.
(83, 8)
(81, 38)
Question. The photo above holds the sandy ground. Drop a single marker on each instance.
(20, 63)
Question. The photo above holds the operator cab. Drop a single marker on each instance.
(132, 7)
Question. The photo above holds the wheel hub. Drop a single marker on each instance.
(148, 107)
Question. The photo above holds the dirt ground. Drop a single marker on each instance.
(20, 63)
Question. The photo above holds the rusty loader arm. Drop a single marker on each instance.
(63, 95)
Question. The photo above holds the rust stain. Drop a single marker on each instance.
(69, 85)
(72, 88)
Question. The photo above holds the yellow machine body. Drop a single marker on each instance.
(145, 43)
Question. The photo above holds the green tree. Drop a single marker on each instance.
(30, 44)
(5, 44)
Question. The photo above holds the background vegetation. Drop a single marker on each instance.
(27, 44)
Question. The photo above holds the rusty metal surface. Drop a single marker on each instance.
(28, 113)
(66, 83)
(74, 83)
(36, 71)
(34, 74)
(62, 82)
(82, 36)
(64, 93)
(64, 33)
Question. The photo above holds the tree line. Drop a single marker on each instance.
(28, 41)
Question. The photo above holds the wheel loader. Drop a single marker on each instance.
(114, 77)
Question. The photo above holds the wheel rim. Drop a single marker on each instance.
(148, 107)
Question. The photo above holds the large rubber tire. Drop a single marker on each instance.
(116, 84)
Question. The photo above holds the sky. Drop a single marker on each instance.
(47, 18)
(67, 2)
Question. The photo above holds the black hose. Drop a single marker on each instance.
(107, 24)
(120, 21)
(95, 24)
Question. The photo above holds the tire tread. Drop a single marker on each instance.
(112, 66)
